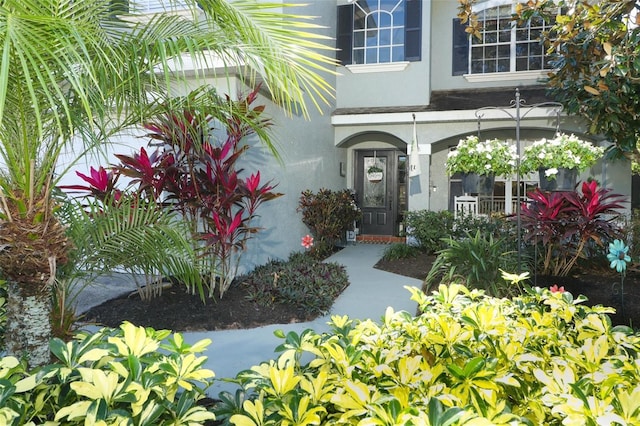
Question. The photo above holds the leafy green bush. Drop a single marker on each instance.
(569, 225)
(328, 214)
(3, 312)
(633, 231)
(476, 262)
(125, 376)
(429, 228)
(542, 358)
(496, 225)
(400, 251)
(302, 281)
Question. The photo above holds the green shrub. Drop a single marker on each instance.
(633, 231)
(475, 261)
(539, 359)
(487, 226)
(3, 312)
(126, 376)
(328, 214)
(429, 228)
(302, 281)
(400, 251)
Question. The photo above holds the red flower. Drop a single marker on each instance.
(307, 241)
(555, 289)
(98, 180)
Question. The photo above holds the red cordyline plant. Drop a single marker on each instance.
(569, 225)
(196, 173)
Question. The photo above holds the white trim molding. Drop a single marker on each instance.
(385, 67)
(507, 76)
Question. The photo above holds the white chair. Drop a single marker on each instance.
(465, 205)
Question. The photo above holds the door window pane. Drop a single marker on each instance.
(375, 184)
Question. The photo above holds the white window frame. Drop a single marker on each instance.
(155, 6)
(392, 28)
(511, 74)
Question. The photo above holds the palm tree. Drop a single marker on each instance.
(74, 70)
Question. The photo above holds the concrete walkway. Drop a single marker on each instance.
(369, 294)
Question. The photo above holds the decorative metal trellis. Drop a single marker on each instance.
(514, 112)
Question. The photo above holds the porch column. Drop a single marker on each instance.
(508, 196)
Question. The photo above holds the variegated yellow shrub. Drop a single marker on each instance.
(126, 376)
(469, 359)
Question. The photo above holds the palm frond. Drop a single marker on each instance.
(138, 237)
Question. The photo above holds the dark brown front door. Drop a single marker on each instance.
(378, 192)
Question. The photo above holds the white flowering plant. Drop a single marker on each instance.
(563, 151)
(491, 157)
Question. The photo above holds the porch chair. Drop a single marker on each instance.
(465, 205)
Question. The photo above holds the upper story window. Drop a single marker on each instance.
(504, 46)
(379, 31)
(154, 6)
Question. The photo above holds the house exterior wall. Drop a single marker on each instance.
(372, 86)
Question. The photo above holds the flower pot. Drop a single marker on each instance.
(374, 177)
(565, 180)
(473, 183)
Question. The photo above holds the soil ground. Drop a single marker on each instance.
(179, 311)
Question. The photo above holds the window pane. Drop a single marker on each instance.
(388, 5)
(384, 54)
(398, 36)
(504, 51)
(371, 56)
(385, 37)
(385, 20)
(477, 53)
(372, 38)
(522, 34)
(505, 36)
(522, 64)
(504, 65)
(505, 24)
(490, 66)
(490, 52)
(535, 63)
(358, 39)
(375, 190)
(358, 56)
(535, 35)
(491, 37)
(398, 54)
(477, 67)
(491, 25)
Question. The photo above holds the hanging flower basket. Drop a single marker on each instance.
(563, 151)
(491, 157)
(558, 180)
(473, 183)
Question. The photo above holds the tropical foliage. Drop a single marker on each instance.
(541, 358)
(569, 226)
(563, 151)
(491, 157)
(302, 282)
(80, 71)
(328, 214)
(195, 174)
(129, 375)
(476, 260)
(133, 235)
